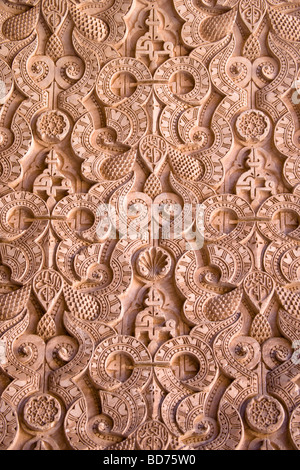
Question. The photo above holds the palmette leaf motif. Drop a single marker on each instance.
(185, 166)
(90, 26)
(252, 13)
(285, 25)
(290, 301)
(261, 329)
(20, 26)
(13, 303)
(114, 168)
(54, 12)
(215, 28)
(81, 305)
(223, 306)
(252, 48)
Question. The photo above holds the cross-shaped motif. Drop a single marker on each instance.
(185, 367)
(287, 221)
(119, 367)
(182, 83)
(123, 84)
(81, 220)
(20, 219)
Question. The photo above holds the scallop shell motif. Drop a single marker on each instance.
(153, 264)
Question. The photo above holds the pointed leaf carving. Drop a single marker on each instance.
(20, 26)
(13, 303)
(54, 12)
(84, 306)
(215, 28)
(290, 301)
(90, 26)
(252, 13)
(286, 26)
(223, 306)
(114, 168)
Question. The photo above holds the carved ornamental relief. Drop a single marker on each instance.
(149, 225)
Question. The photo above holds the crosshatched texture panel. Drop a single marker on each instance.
(149, 224)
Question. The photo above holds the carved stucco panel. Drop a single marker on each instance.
(149, 224)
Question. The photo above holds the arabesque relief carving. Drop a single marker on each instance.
(149, 225)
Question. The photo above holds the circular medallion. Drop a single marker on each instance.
(152, 435)
(253, 126)
(52, 126)
(42, 412)
(264, 414)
